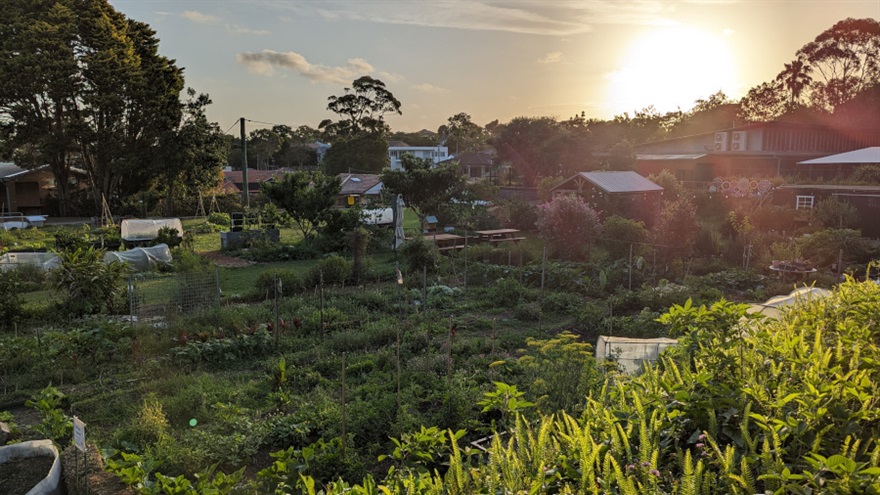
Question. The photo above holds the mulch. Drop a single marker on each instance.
(225, 261)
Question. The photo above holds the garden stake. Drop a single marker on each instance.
(630, 266)
(399, 323)
(465, 258)
(425, 296)
(343, 406)
(277, 295)
(321, 292)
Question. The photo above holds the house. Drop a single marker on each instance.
(233, 181)
(478, 165)
(624, 193)
(759, 150)
(33, 191)
(397, 149)
(359, 189)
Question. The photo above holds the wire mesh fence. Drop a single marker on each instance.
(153, 295)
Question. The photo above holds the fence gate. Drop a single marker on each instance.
(153, 295)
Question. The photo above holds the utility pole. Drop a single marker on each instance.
(245, 197)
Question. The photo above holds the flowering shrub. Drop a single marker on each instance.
(568, 225)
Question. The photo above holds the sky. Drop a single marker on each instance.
(277, 61)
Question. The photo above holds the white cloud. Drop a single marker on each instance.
(522, 16)
(265, 62)
(551, 58)
(429, 88)
(236, 29)
(199, 17)
(391, 77)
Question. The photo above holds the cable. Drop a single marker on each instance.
(233, 125)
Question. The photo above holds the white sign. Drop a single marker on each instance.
(79, 434)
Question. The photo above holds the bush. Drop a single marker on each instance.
(291, 282)
(89, 285)
(569, 226)
(417, 254)
(169, 236)
(334, 269)
(619, 233)
(10, 293)
(220, 219)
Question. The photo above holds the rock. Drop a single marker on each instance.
(5, 433)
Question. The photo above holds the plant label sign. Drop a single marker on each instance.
(79, 434)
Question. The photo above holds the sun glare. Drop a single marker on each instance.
(670, 68)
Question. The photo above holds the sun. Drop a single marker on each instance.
(670, 68)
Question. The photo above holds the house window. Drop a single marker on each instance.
(804, 203)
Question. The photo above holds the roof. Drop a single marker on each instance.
(613, 181)
(685, 156)
(862, 156)
(833, 187)
(10, 171)
(357, 183)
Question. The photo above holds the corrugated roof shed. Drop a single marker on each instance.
(862, 156)
(613, 181)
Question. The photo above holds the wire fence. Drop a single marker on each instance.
(153, 295)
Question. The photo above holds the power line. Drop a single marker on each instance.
(230, 127)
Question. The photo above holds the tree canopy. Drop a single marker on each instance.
(306, 196)
(426, 188)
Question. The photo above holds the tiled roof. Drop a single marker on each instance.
(357, 183)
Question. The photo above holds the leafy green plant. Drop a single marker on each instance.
(11, 311)
(89, 285)
(54, 423)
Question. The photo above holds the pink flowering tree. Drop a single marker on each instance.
(569, 226)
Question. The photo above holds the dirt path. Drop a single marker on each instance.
(221, 259)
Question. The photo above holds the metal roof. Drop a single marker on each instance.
(613, 181)
(864, 155)
(673, 156)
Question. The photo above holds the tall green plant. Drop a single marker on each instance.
(90, 286)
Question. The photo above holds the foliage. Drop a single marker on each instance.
(360, 239)
(361, 109)
(54, 424)
(365, 152)
(618, 233)
(543, 147)
(90, 286)
(306, 197)
(823, 247)
(168, 236)
(219, 219)
(568, 225)
(331, 270)
(426, 188)
(836, 214)
(418, 254)
(866, 174)
(338, 225)
(675, 230)
(11, 310)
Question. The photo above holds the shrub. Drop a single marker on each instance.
(291, 282)
(10, 293)
(220, 219)
(528, 311)
(417, 254)
(169, 236)
(89, 285)
(569, 226)
(675, 230)
(507, 292)
(618, 233)
(334, 269)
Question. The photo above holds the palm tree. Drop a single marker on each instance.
(795, 77)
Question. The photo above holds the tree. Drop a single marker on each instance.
(193, 155)
(619, 233)
(836, 214)
(461, 134)
(845, 59)
(426, 188)
(675, 229)
(361, 109)
(263, 144)
(37, 39)
(306, 196)
(366, 153)
(541, 147)
(568, 225)
(795, 78)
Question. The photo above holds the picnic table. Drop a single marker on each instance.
(446, 242)
(499, 235)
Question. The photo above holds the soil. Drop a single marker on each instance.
(100, 482)
(20, 474)
(221, 259)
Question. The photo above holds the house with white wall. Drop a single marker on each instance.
(396, 150)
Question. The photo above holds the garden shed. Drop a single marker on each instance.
(624, 193)
(631, 353)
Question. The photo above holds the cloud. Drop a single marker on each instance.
(236, 29)
(199, 18)
(265, 62)
(551, 58)
(429, 88)
(537, 17)
(391, 77)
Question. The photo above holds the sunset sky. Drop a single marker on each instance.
(278, 61)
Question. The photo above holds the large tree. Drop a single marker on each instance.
(38, 40)
(461, 134)
(307, 197)
(426, 188)
(359, 137)
(192, 156)
(542, 147)
(86, 86)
